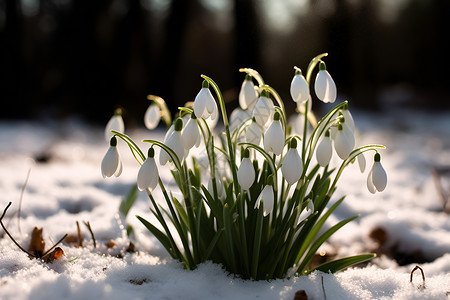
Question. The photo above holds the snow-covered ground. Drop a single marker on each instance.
(65, 186)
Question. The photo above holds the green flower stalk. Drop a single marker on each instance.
(242, 207)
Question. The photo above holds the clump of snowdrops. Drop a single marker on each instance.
(260, 209)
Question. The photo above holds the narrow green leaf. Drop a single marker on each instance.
(342, 263)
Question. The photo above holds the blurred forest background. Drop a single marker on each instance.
(65, 57)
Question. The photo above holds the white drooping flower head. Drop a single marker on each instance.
(204, 104)
(191, 133)
(292, 167)
(111, 163)
(152, 116)
(324, 150)
(264, 109)
(266, 197)
(299, 88)
(175, 142)
(246, 172)
(115, 123)
(377, 178)
(343, 144)
(253, 134)
(361, 161)
(274, 136)
(324, 85)
(148, 175)
(348, 118)
(248, 94)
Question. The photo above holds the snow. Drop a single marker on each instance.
(65, 186)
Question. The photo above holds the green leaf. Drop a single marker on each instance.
(128, 201)
(342, 263)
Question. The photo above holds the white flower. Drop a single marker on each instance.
(264, 109)
(191, 133)
(175, 142)
(148, 175)
(301, 106)
(292, 167)
(342, 143)
(253, 133)
(324, 85)
(267, 198)
(377, 178)
(348, 118)
(115, 123)
(248, 95)
(152, 116)
(299, 88)
(246, 172)
(111, 163)
(310, 206)
(274, 136)
(237, 117)
(204, 103)
(324, 150)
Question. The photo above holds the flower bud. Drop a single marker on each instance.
(264, 109)
(324, 85)
(342, 143)
(115, 123)
(274, 136)
(248, 94)
(111, 163)
(299, 88)
(292, 167)
(148, 175)
(191, 133)
(246, 172)
(152, 116)
(324, 150)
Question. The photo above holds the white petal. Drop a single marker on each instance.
(190, 134)
(379, 176)
(361, 162)
(325, 87)
(211, 105)
(152, 116)
(349, 119)
(292, 166)
(200, 104)
(274, 138)
(246, 174)
(119, 167)
(324, 151)
(175, 142)
(253, 134)
(237, 117)
(370, 185)
(299, 88)
(301, 105)
(148, 175)
(115, 123)
(110, 162)
(263, 110)
(267, 198)
(342, 145)
(247, 95)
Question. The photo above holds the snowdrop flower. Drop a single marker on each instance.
(111, 163)
(191, 133)
(324, 150)
(246, 172)
(266, 197)
(263, 109)
(348, 118)
(248, 95)
(299, 88)
(342, 143)
(274, 136)
(175, 142)
(324, 85)
(292, 167)
(115, 123)
(377, 178)
(148, 175)
(310, 207)
(301, 106)
(204, 104)
(254, 133)
(152, 116)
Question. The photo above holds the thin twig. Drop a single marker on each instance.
(80, 237)
(323, 289)
(20, 200)
(88, 225)
(54, 246)
(7, 232)
(423, 276)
